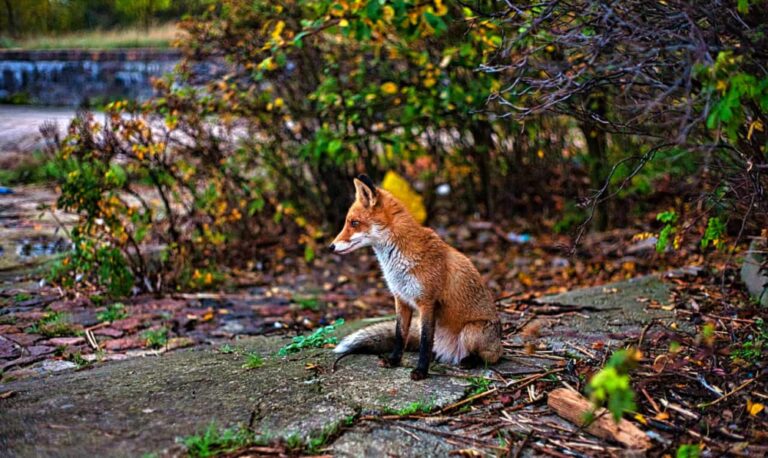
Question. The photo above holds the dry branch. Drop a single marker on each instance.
(573, 407)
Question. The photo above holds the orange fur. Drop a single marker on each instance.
(426, 274)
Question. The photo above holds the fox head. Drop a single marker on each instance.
(365, 219)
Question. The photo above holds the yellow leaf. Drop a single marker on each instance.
(756, 125)
(278, 30)
(343, 23)
(721, 86)
(440, 9)
(403, 191)
(754, 408)
(389, 13)
(389, 88)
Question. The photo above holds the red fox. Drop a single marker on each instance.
(457, 317)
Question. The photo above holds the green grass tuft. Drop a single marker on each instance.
(113, 312)
(253, 361)
(156, 338)
(318, 339)
(53, 324)
(215, 441)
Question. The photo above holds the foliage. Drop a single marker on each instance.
(380, 86)
(156, 338)
(479, 385)
(688, 451)
(610, 386)
(413, 408)
(53, 324)
(226, 349)
(315, 442)
(24, 18)
(753, 349)
(668, 218)
(714, 234)
(319, 338)
(214, 441)
(222, 165)
(642, 74)
(113, 312)
(307, 303)
(252, 360)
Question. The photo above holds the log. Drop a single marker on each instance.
(573, 407)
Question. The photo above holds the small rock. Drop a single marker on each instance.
(24, 339)
(8, 329)
(39, 350)
(30, 316)
(128, 324)
(122, 343)
(63, 341)
(109, 332)
(8, 348)
(55, 366)
(232, 327)
(179, 342)
(69, 305)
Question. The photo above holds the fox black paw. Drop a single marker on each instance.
(418, 374)
(388, 361)
(470, 362)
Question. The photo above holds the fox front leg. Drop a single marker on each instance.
(402, 327)
(427, 315)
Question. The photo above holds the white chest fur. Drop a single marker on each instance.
(397, 273)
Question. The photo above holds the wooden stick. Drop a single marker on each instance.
(573, 407)
(736, 390)
(469, 399)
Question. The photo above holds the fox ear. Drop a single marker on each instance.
(365, 191)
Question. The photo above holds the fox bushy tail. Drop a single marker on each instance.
(377, 339)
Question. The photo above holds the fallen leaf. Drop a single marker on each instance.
(660, 363)
(754, 408)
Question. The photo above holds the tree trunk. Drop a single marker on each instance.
(11, 19)
(597, 145)
(483, 136)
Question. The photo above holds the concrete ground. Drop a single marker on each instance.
(143, 405)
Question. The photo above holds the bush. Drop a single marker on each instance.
(275, 106)
(314, 92)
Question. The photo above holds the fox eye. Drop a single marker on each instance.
(354, 223)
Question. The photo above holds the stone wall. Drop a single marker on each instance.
(81, 77)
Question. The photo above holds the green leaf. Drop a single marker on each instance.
(436, 22)
(334, 146)
(309, 253)
(373, 10)
(297, 39)
(688, 451)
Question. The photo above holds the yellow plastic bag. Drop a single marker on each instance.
(403, 191)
